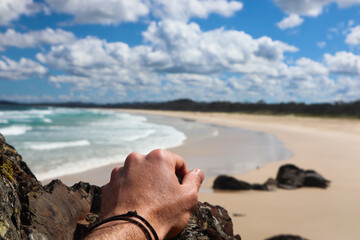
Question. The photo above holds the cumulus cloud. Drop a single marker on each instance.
(353, 38)
(117, 11)
(180, 60)
(311, 67)
(343, 63)
(103, 12)
(171, 47)
(184, 47)
(12, 9)
(311, 8)
(23, 69)
(185, 9)
(291, 21)
(94, 63)
(11, 38)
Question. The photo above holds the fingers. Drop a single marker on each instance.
(115, 173)
(174, 161)
(193, 179)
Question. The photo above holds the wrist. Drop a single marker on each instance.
(130, 217)
(116, 230)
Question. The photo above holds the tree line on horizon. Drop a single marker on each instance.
(336, 109)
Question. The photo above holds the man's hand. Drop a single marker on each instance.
(149, 184)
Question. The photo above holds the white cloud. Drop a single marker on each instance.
(103, 12)
(12, 9)
(321, 44)
(11, 38)
(293, 20)
(178, 59)
(343, 63)
(24, 69)
(347, 86)
(353, 38)
(174, 54)
(185, 9)
(311, 67)
(93, 63)
(117, 11)
(311, 8)
(185, 48)
(272, 50)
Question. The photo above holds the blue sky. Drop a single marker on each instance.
(155, 50)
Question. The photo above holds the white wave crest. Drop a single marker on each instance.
(55, 145)
(15, 130)
(3, 121)
(77, 167)
(47, 120)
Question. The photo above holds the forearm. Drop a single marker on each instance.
(116, 230)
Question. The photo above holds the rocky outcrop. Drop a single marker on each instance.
(286, 237)
(224, 182)
(290, 177)
(29, 210)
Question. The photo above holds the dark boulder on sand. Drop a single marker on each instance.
(29, 210)
(286, 237)
(223, 182)
(290, 177)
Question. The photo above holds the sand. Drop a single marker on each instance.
(329, 146)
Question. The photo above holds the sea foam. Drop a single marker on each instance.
(15, 130)
(55, 145)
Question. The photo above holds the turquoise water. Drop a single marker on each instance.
(60, 141)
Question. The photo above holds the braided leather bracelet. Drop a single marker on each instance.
(126, 217)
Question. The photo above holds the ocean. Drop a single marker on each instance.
(61, 141)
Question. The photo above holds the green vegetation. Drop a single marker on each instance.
(337, 109)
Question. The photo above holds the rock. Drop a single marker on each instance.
(29, 210)
(286, 237)
(271, 184)
(223, 182)
(314, 179)
(290, 176)
(208, 223)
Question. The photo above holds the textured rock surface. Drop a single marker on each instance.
(290, 176)
(29, 210)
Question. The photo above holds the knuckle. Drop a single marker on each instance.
(114, 173)
(157, 154)
(132, 158)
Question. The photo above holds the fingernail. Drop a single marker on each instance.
(199, 174)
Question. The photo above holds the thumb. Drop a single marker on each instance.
(193, 179)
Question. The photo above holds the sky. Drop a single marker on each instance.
(108, 51)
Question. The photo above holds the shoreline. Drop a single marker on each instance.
(201, 149)
(329, 146)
